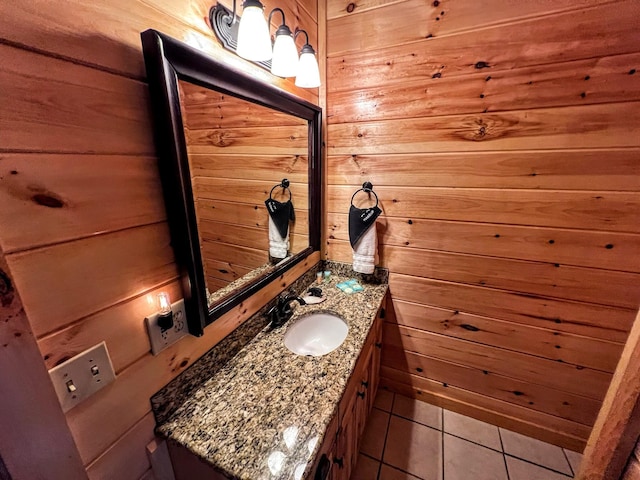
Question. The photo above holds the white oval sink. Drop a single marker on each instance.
(316, 334)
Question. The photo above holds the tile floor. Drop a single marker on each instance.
(407, 439)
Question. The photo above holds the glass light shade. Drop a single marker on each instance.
(285, 56)
(308, 71)
(164, 303)
(254, 41)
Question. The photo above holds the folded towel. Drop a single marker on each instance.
(365, 251)
(278, 245)
(363, 237)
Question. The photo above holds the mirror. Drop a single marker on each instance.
(240, 153)
(227, 143)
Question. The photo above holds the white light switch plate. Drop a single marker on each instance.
(161, 338)
(82, 376)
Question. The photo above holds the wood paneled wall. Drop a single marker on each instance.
(82, 222)
(232, 178)
(502, 140)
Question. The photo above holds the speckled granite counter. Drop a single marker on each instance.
(264, 413)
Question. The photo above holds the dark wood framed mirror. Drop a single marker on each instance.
(191, 95)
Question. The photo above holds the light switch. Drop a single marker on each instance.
(82, 376)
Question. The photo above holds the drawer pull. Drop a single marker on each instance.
(360, 394)
(365, 384)
(339, 462)
(378, 344)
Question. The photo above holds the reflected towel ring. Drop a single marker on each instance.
(285, 186)
(368, 188)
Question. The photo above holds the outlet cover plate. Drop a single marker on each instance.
(161, 338)
(88, 372)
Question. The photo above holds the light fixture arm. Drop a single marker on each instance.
(274, 11)
(306, 48)
(233, 15)
(229, 20)
(298, 32)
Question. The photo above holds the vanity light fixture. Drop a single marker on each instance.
(247, 38)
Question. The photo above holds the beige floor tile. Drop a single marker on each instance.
(575, 459)
(366, 469)
(414, 448)
(534, 451)
(418, 411)
(464, 460)
(472, 429)
(384, 400)
(521, 470)
(374, 434)
(390, 473)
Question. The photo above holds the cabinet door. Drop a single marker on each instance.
(374, 373)
(347, 440)
(323, 468)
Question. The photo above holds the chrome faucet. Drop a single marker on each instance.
(282, 311)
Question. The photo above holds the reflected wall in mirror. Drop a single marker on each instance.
(224, 140)
(238, 152)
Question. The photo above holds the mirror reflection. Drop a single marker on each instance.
(239, 153)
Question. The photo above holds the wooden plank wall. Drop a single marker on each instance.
(82, 222)
(502, 140)
(232, 178)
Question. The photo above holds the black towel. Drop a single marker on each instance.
(360, 220)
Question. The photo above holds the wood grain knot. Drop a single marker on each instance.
(219, 140)
(485, 128)
(6, 290)
(48, 200)
(481, 65)
(471, 328)
(351, 7)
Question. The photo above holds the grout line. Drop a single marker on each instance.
(413, 475)
(573, 474)
(442, 437)
(538, 465)
(418, 423)
(504, 458)
(386, 431)
(471, 441)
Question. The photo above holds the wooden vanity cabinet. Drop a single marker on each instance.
(343, 446)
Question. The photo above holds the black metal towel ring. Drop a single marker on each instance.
(284, 184)
(368, 188)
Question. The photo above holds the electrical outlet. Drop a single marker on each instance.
(82, 376)
(160, 338)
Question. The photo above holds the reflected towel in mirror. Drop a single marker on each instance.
(280, 214)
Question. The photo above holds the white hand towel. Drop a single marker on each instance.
(365, 251)
(278, 246)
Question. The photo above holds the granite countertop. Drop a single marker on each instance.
(263, 415)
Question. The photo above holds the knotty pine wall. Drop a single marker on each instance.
(82, 222)
(502, 139)
(224, 135)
